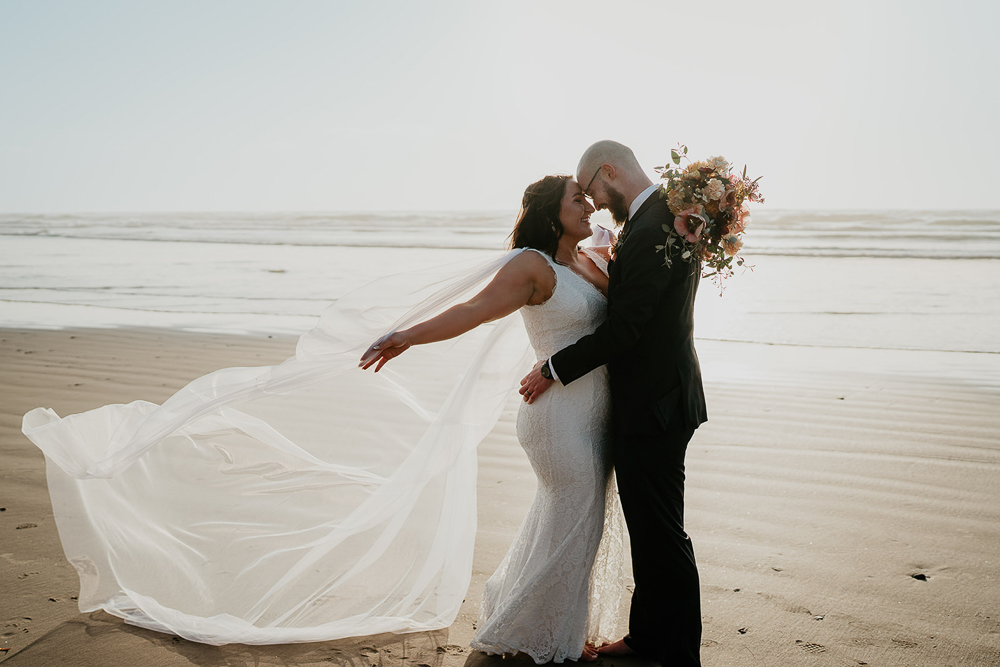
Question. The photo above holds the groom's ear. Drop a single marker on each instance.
(609, 171)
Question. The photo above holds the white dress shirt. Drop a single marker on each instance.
(641, 199)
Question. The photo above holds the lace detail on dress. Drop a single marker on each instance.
(561, 582)
(567, 315)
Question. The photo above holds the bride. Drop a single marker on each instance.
(248, 509)
(537, 600)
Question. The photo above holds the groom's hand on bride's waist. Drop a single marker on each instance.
(533, 384)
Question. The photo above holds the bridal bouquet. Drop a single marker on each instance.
(709, 204)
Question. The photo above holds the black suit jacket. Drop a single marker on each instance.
(648, 339)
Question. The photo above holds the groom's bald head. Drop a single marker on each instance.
(611, 176)
(618, 155)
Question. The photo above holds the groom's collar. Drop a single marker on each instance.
(643, 197)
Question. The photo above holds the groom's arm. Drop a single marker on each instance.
(638, 291)
(637, 294)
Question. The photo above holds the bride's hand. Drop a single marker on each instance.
(385, 349)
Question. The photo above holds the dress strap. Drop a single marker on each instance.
(548, 259)
(555, 274)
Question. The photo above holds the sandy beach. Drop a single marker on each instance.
(843, 508)
(193, 193)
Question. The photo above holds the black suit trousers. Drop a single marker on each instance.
(665, 617)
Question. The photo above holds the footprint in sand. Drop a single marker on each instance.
(14, 626)
(809, 647)
(451, 649)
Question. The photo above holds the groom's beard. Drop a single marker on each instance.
(617, 206)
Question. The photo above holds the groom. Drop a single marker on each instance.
(648, 344)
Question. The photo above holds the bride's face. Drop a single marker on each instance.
(574, 214)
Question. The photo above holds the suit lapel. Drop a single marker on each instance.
(627, 227)
(654, 197)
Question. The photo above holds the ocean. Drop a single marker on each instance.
(886, 282)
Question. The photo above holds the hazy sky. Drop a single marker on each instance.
(424, 104)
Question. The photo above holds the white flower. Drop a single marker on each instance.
(718, 163)
(714, 190)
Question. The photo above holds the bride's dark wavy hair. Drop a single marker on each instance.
(538, 224)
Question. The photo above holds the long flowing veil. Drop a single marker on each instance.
(259, 505)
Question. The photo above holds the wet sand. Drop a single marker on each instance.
(843, 504)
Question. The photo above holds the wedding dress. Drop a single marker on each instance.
(560, 583)
(300, 502)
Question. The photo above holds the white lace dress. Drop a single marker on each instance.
(561, 582)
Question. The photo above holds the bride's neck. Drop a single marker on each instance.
(567, 252)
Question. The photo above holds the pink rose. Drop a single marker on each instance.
(728, 200)
(687, 218)
(696, 234)
(741, 220)
(744, 216)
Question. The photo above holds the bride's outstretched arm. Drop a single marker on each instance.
(525, 279)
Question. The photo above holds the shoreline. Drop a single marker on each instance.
(840, 508)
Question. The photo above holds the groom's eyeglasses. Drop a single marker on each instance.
(586, 190)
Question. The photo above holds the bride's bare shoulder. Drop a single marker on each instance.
(529, 261)
(532, 268)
